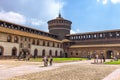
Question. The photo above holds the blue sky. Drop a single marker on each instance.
(86, 15)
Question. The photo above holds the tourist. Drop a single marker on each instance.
(51, 60)
(28, 57)
(96, 58)
(45, 60)
(101, 58)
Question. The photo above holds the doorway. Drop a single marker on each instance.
(109, 54)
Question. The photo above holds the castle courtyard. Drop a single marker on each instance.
(78, 70)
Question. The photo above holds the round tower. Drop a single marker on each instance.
(59, 26)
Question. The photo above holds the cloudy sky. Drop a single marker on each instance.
(86, 15)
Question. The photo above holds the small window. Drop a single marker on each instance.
(9, 38)
(21, 45)
(16, 39)
(33, 42)
(76, 53)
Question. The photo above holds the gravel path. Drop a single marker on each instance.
(81, 70)
(114, 75)
(6, 73)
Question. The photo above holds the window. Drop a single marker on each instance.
(21, 45)
(50, 53)
(61, 54)
(43, 43)
(1, 51)
(25, 39)
(33, 42)
(35, 53)
(28, 45)
(9, 38)
(56, 53)
(43, 53)
(14, 51)
(48, 44)
(58, 45)
(71, 53)
(53, 44)
(101, 35)
(37, 42)
(16, 39)
(76, 53)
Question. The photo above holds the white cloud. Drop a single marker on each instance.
(53, 7)
(37, 22)
(75, 31)
(115, 1)
(12, 17)
(98, 0)
(105, 2)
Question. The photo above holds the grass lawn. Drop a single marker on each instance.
(113, 62)
(59, 59)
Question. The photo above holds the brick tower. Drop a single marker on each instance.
(59, 26)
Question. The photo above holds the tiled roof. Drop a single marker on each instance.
(21, 33)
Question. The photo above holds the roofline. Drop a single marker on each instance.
(94, 32)
(25, 26)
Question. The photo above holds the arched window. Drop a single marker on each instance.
(48, 44)
(1, 51)
(14, 51)
(33, 42)
(56, 53)
(37, 42)
(61, 54)
(9, 38)
(43, 43)
(16, 39)
(57, 45)
(43, 53)
(50, 53)
(21, 45)
(53, 44)
(35, 53)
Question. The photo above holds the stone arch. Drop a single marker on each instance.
(43, 52)
(35, 53)
(1, 51)
(50, 52)
(56, 53)
(14, 51)
(61, 54)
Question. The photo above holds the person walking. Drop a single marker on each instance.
(101, 58)
(45, 60)
(51, 60)
(96, 58)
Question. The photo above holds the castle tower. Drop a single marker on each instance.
(59, 26)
